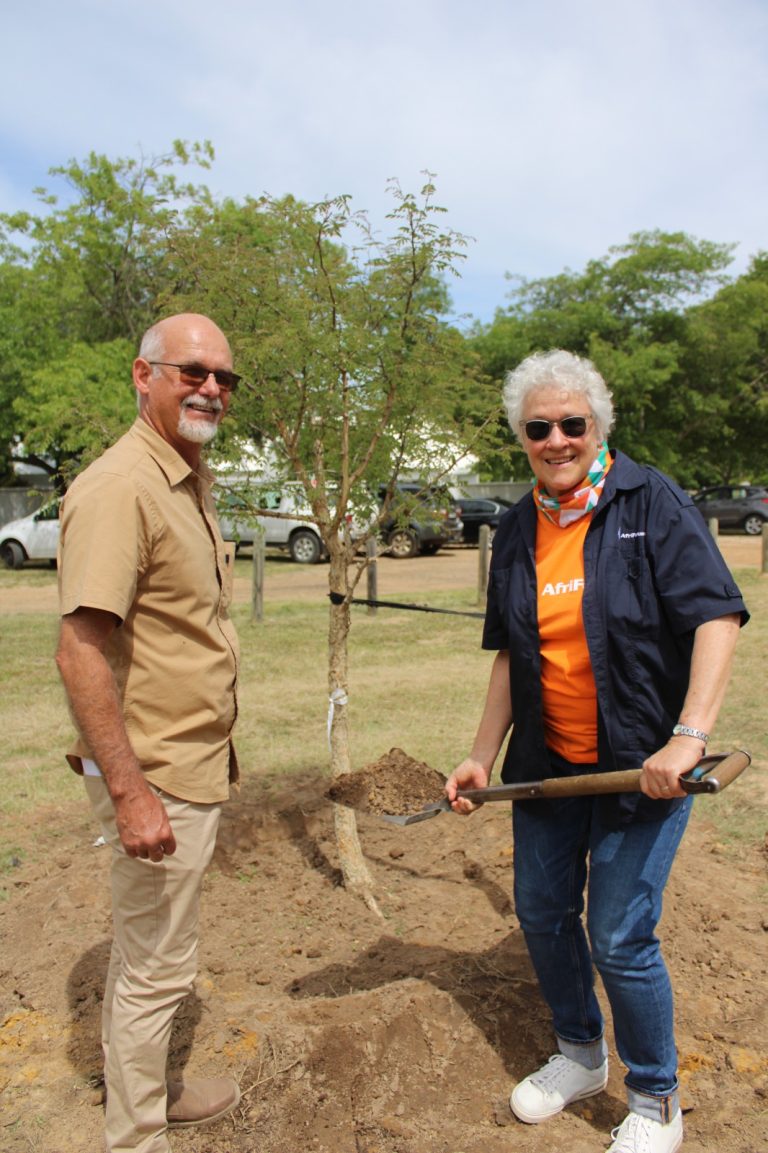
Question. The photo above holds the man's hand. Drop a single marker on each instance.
(470, 774)
(143, 825)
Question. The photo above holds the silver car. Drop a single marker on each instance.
(288, 528)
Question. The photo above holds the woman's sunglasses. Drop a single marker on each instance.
(570, 426)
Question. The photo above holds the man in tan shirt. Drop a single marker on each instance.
(148, 656)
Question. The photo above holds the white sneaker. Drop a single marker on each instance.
(554, 1086)
(638, 1134)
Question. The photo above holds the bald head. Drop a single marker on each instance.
(183, 326)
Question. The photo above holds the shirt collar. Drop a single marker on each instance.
(625, 474)
(170, 461)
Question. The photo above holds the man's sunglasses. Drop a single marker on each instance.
(570, 426)
(197, 374)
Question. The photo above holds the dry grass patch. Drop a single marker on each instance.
(417, 681)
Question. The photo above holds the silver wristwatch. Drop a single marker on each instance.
(687, 731)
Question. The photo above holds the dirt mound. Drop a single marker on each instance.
(350, 1034)
(395, 783)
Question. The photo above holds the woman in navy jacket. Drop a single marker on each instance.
(614, 620)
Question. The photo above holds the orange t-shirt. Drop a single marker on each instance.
(567, 682)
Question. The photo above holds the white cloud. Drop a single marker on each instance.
(554, 130)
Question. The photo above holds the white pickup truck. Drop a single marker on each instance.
(288, 528)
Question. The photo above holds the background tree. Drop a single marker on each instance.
(28, 337)
(75, 404)
(350, 375)
(725, 364)
(86, 271)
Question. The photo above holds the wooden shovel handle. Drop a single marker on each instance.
(711, 775)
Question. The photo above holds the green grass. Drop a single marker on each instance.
(34, 720)
(416, 681)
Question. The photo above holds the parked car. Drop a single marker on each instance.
(36, 537)
(420, 519)
(742, 506)
(289, 530)
(33, 537)
(477, 511)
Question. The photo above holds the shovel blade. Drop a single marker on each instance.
(424, 814)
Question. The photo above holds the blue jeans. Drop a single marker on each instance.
(561, 849)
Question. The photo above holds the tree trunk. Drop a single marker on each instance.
(357, 878)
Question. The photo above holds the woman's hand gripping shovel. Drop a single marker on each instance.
(711, 775)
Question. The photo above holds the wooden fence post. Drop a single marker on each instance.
(257, 590)
(714, 527)
(483, 547)
(372, 574)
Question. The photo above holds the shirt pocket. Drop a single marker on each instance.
(630, 602)
(498, 586)
(495, 627)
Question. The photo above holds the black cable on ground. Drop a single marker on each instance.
(339, 598)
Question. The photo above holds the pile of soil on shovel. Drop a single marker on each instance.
(394, 784)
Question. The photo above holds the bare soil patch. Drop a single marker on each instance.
(354, 1035)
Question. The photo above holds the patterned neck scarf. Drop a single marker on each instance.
(581, 501)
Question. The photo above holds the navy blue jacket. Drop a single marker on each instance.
(652, 575)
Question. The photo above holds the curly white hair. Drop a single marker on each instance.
(563, 370)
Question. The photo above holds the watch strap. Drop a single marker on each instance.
(687, 731)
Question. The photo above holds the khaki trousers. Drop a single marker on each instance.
(152, 966)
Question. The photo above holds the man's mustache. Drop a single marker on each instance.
(212, 405)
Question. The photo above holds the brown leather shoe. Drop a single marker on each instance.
(200, 1100)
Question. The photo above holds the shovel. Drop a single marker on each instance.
(711, 775)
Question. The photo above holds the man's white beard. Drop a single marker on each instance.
(196, 430)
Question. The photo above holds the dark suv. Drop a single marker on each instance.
(420, 519)
(742, 506)
(479, 510)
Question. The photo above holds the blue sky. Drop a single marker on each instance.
(554, 129)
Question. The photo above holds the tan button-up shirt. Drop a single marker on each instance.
(139, 539)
